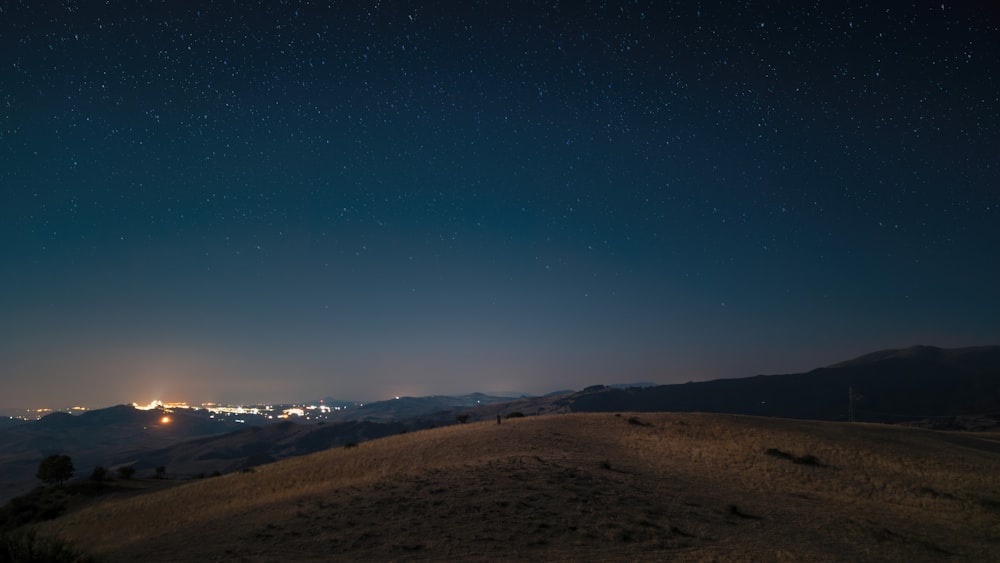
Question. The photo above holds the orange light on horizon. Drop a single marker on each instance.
(165, 420)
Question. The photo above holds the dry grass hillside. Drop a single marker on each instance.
(700, 487)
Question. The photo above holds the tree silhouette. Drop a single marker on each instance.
(55, 469)
(126, 472)
(99, 475)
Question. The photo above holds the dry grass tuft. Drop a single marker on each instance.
(584, 486)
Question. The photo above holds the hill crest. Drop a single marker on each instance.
(606, 486)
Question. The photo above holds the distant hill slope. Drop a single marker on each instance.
(193, 443)
(393, 410)
(257, 445)
(7, 422)
(916, 383)
(643, 487)
(102, 437)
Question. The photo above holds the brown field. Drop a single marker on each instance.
(689, 487)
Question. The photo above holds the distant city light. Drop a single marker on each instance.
(153, 405)
(267, 412)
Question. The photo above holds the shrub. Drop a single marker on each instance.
(27, 546)
(990, 504)
(637, 421)
(42, 503)
(99, 475)
(807, 459)
(775, 452)
(463, 418)
(735, 511)
(126, 472)
(515, 414)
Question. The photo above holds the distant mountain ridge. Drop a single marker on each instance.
(910, 384)
(970, 356)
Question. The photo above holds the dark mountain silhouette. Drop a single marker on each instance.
(57, 420)
(922, 382)
(638, 384)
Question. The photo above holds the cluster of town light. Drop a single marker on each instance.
(36, 414)
(268, 411)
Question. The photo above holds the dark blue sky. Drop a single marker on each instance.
(280, 201)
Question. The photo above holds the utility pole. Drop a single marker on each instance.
(850, 404)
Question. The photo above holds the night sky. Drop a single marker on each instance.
(280, 201)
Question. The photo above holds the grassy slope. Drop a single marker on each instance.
(582, 486)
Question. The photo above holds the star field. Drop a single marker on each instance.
(286, 200)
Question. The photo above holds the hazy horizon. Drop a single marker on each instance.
(220, 396)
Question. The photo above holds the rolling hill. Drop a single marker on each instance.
(689, 487)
